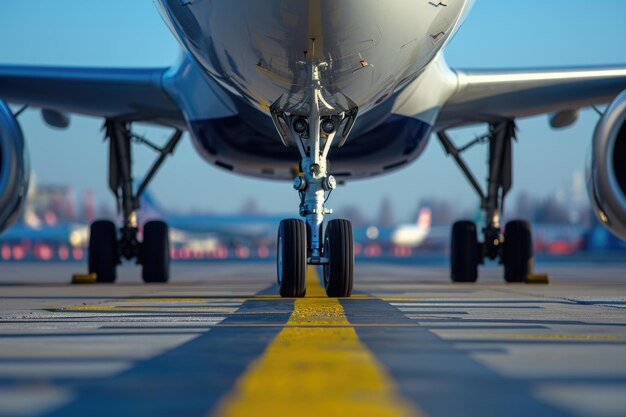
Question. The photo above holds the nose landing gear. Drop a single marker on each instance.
(314, 131)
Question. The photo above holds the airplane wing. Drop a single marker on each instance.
(488, 96)
(132, 94)
(152, 95)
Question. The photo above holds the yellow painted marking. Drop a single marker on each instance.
(314, 325)
(538, 279)
(84, 279)
(565, 336)
(320, 369)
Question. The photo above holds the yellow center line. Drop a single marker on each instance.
(318, 369)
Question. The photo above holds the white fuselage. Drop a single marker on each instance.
(260, 50)
(411, 235)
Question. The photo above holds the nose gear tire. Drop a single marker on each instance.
(291, 262)
(339, 249)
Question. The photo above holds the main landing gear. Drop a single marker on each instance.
(314, 126)
(106, 247)
(514, 249)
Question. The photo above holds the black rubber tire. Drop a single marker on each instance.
(464, 252)
(155, 252)
(339, 249)
(517, 255)
(102, 255)
(291, 258)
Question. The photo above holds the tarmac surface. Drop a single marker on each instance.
(217, 341)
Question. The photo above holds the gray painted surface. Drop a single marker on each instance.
(484, 349)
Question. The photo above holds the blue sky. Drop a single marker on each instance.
(497, 34)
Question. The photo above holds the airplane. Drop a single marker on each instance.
(320, 93)
(402, 235)
(251, 227)
(413, 234)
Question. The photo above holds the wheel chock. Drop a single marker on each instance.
(537, 279)
(84, 278)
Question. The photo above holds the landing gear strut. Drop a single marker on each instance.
(514, 248)
(106, 249)
(314, 126)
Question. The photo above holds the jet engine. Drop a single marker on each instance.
(14, 168)
(606, 179)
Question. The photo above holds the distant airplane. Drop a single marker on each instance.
(250, 228)
(404, 235)
(276, 88)
(413, 234)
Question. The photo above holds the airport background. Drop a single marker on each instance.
(218, 337)
(70, 165)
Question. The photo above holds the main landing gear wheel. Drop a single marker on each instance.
(155, 252)
(464, 255)
(517, 255)
(103, 255)
(514, 249)
(108, 245)
(291, 259)
(338, 248)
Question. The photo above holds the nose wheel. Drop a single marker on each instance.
(291, 258)
(338, 248)
(338, 262)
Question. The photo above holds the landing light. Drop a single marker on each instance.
(328, 126)
(300, 126)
